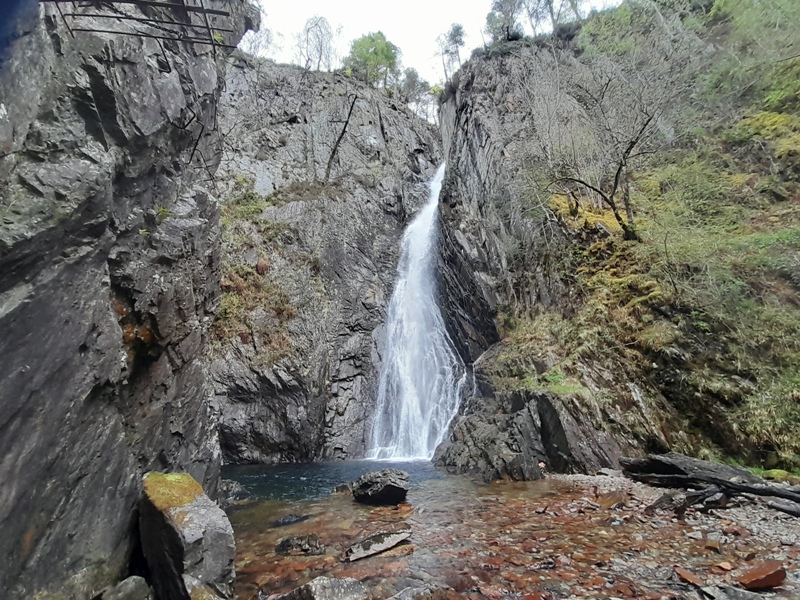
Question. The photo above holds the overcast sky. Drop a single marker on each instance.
(412, 25)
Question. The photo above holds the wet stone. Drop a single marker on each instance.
(328, 588)
(389, 486)
(291, 520)
(376, 543)
(301, 545)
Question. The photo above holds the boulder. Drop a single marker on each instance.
(132, 588)
(327, 588)
(187, 539)
(230, 493)
(301, 545)
(389, 486)
(376, 543)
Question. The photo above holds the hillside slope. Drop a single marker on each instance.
(624, 199)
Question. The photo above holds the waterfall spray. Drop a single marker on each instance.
(422, 374)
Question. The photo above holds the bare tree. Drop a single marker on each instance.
(315, 45)
(596, 119)
(549, 13)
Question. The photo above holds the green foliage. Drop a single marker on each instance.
(372, 58)
(612, 32)
(783, 87)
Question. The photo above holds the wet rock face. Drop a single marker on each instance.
(509, 436)
(295, 370)
(109, 270)
(388, 486)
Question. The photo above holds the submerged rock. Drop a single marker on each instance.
(327, 588)
(376, 543)
(426, 592)
(290, 520)
(301, 545)
(389, 486)
(187, 540)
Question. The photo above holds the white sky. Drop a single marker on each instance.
(412, 25)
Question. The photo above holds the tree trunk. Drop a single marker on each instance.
(626, 197)
(573, 4)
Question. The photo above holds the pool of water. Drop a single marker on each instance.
(311, 481)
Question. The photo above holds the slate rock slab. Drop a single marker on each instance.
(376, 543)
(327, 588)
(388, 487)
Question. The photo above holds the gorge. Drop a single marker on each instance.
(209, 259)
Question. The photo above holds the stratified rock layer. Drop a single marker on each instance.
(501, 249)
(109, 271)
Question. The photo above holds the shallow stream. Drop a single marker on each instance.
(557, 538)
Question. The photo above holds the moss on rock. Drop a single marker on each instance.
(171, 490)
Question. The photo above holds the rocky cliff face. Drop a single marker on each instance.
(321, 174)
(503, 253)
(109, 270)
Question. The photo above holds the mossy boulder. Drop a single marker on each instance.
(186, 538)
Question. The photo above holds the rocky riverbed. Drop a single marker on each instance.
(567, 536)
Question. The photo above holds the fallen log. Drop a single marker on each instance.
(678, 471)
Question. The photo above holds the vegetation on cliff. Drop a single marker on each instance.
(675, 166)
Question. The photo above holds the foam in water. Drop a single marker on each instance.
(422, 374)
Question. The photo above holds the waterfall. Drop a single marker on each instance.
(422, 374)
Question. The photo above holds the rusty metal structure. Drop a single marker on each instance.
(169, 20)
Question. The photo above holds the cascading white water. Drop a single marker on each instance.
(422, 374)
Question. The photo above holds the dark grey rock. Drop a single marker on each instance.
(301, 545)
(327, 588)
(132, 588)
(375, 544)
(509, 436)
(230, 493)
(388, 486)
(291, 520)
(109, 272)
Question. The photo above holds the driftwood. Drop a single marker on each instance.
(678, 471)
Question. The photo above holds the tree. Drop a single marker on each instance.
(502, 23)
(373, 58)
(257, 43)
(450, 44)
(597, 118)
(315, 45)
(549, 13)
